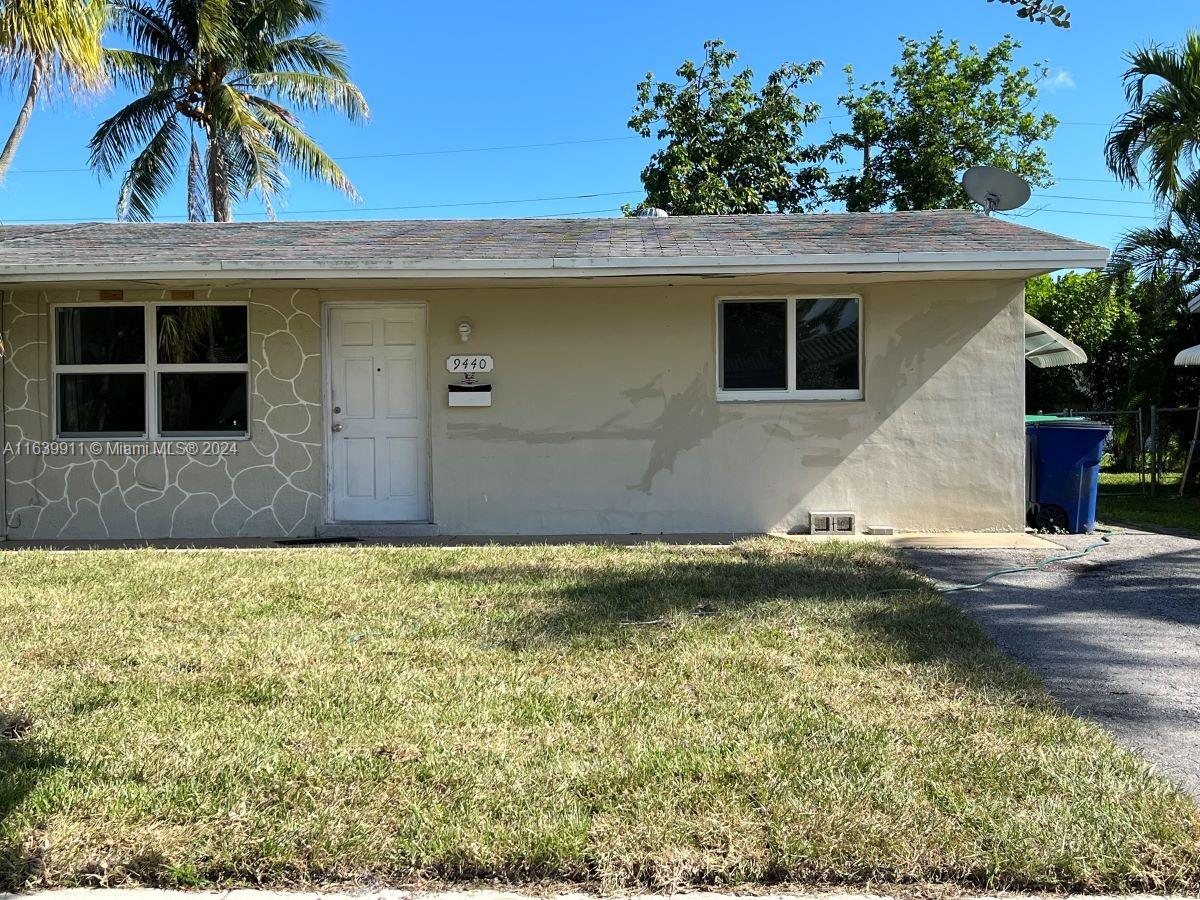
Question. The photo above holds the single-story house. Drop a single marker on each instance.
(527, 376)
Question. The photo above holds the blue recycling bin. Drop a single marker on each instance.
(1063, 472)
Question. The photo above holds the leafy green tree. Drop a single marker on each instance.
(1131, 330)
(1040, 11)
(49, 45)
(944, 110)
(222, 72)
(729, 148)
(1161, 129)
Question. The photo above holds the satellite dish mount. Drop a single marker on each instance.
(996, 190)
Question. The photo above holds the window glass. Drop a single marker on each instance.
(102, 403)
(101, 335)
(203, 402)
(201, 334)
(827, 344)
(754, 345)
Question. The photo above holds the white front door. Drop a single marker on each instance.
(377, 452)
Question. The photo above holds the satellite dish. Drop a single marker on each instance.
(651, 212)
(995, 189)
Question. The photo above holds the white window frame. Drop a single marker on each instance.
(151, 369)
(790, 393)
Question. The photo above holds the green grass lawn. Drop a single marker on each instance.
(1121, 501)
(330, 714)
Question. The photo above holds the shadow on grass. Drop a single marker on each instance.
(24, 762)
(893, 610)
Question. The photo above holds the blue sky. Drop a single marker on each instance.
(483, 75)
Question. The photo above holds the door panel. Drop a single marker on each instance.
(377, 455)
(402, 457)
(359, 389)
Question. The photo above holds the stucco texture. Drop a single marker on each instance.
(271, 485)
(604, 420)
(604, 417)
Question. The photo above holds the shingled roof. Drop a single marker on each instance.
(911, 241)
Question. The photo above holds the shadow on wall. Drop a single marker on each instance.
(24, 762)
(918, 348)
(687, 419)
(799, 445)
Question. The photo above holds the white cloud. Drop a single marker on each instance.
(1062, 80)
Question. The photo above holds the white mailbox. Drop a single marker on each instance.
(469, 392)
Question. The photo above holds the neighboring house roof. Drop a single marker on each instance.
(1046, 348)
(944, 240)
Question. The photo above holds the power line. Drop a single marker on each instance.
(406, 154)
(1097, 199)
(1084, 212)
(362, 209)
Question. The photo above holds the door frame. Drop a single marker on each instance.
(327, 399)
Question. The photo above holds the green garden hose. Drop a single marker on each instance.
(1106, 536)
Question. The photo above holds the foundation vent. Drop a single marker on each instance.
(831, 523)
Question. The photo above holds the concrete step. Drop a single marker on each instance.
(378, 530)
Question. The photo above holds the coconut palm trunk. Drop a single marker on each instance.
(218, 182)
(36, 76)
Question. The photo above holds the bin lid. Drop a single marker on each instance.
(1065, 422)
(1040, 419)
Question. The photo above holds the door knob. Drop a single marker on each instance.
(337, 426)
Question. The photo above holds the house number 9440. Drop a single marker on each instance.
(468, 364)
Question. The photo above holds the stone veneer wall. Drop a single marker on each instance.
(271, 487)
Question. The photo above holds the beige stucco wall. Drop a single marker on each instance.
(604, 420)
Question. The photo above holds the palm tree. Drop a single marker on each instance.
(221, 71)
(47, 44)
(1162, 126)
(1168, 252)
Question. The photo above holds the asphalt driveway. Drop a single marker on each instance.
(1115, 635)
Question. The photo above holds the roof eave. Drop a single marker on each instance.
(816, 263)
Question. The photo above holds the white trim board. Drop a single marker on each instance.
(572, 267)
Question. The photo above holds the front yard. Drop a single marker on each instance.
(325, 714)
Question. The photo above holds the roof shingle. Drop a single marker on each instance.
(344, 244)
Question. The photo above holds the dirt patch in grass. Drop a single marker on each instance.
(324, 714)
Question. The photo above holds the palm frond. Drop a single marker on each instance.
(148, 30)
(252, 158)
(308, 53)
(313, 92)
(1161, 129)
(151, 173)
(130, 127)
(63, 36)
(199, 208)
(141, 71)
(298, 149)
(217, 34)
